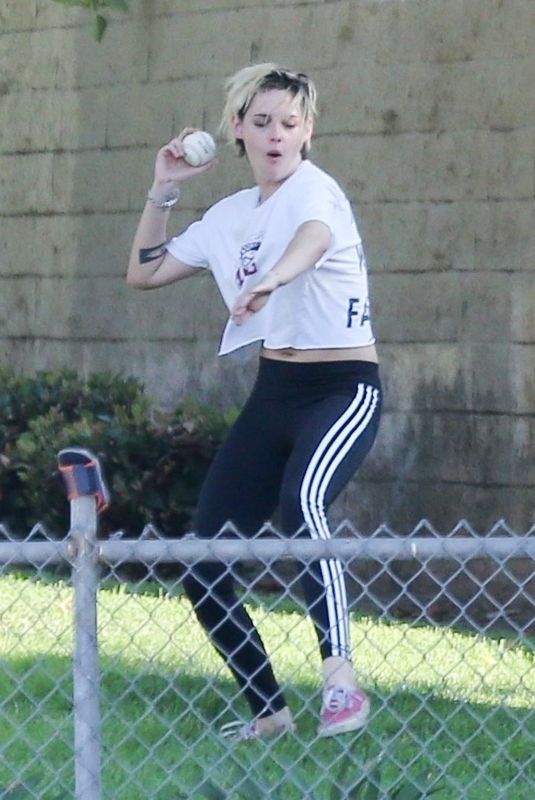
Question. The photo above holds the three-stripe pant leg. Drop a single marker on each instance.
(241, 488)
(334, 438)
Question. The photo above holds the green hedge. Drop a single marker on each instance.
(100, 22)
(154, 463)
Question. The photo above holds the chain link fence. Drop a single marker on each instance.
(110, 689)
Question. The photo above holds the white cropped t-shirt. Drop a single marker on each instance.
(239, 239)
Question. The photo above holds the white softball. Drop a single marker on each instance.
(199, 148)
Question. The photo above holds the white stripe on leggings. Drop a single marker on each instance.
(328, 456)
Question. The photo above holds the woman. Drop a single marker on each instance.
(288, 260)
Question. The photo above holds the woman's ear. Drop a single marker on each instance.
(237, 126)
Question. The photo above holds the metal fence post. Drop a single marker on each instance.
(88, 494)
(86, 672)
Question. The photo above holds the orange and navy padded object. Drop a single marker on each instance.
(83, 476)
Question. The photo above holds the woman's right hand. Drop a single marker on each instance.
(170, 164)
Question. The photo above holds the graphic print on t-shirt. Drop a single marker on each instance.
(247, 265)
(358, 312)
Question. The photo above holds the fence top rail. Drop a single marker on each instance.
(190, 549)
(35, 553)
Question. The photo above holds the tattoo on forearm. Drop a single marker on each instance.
(152, 253)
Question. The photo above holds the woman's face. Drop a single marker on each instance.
(273, 132)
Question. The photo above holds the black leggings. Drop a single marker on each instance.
(299, 439)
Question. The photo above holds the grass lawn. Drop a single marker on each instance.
(454, 706)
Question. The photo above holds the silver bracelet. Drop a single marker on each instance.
(168, 199)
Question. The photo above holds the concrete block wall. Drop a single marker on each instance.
(427, 116)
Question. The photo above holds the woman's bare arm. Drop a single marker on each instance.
(150, 265)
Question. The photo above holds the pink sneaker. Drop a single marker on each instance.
(343, 710)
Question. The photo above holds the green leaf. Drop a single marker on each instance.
(250, 789)
(410, 791)
(372, 791)
(99, 27)
(211, 792)
(72, 3)
(406, 791)
(371, 783)
(16, 791)
(358, 791)
(434, 790)
(365, 789)
(335, 791)
(117, 5)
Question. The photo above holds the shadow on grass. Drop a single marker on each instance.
(160, 728)
(160, 738)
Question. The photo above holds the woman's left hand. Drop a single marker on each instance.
(254, 299)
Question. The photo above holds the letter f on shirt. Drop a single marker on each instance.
(354, 312)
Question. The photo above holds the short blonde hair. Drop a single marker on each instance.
(242, 88)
